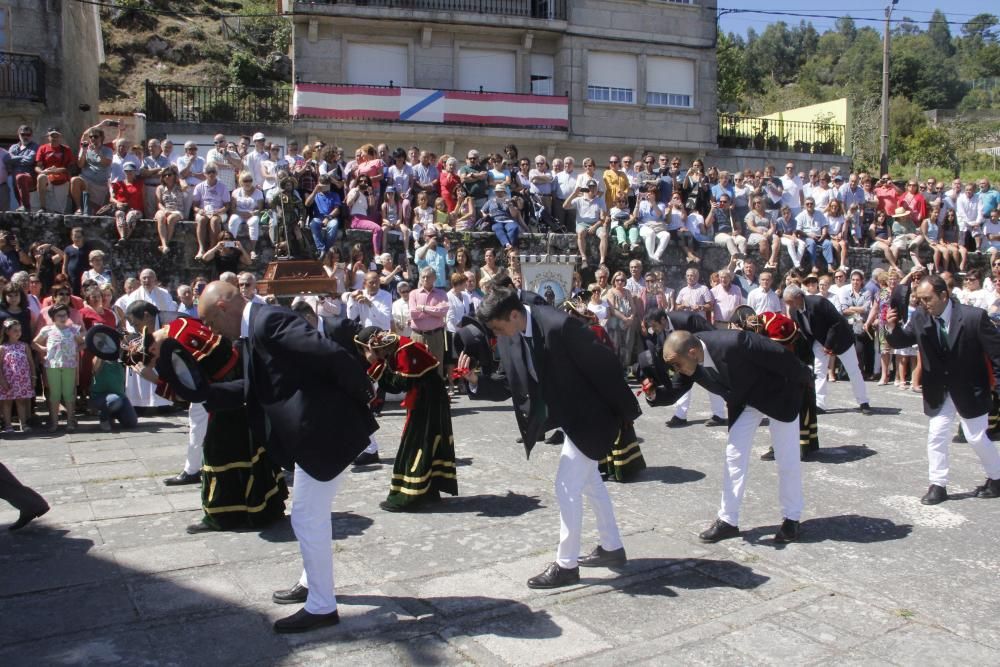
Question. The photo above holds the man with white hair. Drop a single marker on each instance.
(186, 305)
(428, 311)
(247, 282)
(372, 306)
(152, 169)
(564, 187)
(141, 392)
(762, 298)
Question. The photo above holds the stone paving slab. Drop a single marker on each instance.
(110, 576)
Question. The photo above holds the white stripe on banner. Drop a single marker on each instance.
(338, 101)
(421, 105)
(507, 109)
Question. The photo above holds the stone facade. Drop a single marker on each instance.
(434, 39)
(66, 36)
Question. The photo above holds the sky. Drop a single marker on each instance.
(958, 11)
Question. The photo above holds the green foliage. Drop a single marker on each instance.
(248, 71)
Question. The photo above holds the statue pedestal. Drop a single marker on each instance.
(292, 277)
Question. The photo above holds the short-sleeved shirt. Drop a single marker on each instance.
(475, 189)
(93, 171)
(696, 296)
(500, 212)
(197, 167)
(60, 346)
(217, 196)
(588, 210)
(246, 202)
(60, 157)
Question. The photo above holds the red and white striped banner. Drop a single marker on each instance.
(418, 105)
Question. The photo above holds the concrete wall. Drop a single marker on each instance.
(66, 35)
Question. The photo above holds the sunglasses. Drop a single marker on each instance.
(93, 136)
(612, 161)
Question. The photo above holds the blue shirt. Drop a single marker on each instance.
(22, 158)
(988, 201)
(718, 191)
(439, 260)
(325, 203)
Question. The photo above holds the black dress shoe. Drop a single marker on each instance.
(820, 411)
(297, 594)
(959, 437)
(865, 409)
(935, 494)
(555, 577)
(789, 532)
(715, 420)
(676, 422)
(808, 451)
(556, 438)
(989, 489)
(600, 557)
(303, 621)
(519, 439)
(719, 530)
(367, 459)
(25, 519)
(184, 478)
(768, 455)
(200, 527)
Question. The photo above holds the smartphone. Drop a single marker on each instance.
(114, 123)
(231, 244)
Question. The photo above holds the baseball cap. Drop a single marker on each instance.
(591, 183)
(499, 187)
(128, 166)
(53, 130)
(259, 136)
(190, 144)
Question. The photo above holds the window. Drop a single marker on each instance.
(669, 82)
(543, 69)
(611, 77)
(378, 64)
(493, 71)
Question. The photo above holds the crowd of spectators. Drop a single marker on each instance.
(640, 204)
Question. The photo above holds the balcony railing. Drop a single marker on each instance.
(22, 77)
(769, 134)
(175, 103)
(530, 9)
(347, 102)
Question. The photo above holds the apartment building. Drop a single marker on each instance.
(551, 76)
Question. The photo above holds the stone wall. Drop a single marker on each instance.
(179, 266)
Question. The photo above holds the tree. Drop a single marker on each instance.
(940, 35)
(730, 61)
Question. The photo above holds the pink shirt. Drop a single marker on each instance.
(726, 301)
(434, 311)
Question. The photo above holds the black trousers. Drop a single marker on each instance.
(865, 347)
(18, 495)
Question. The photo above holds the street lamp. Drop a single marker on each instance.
(884, 144)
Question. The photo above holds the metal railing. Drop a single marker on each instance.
(534, 9)
(168, 103)
(22, 77)
(768, 134)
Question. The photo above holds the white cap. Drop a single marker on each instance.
(259, 137)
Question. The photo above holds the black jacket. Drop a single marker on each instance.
(307, 397)
(580, 383)
(755, 371)
(650, 361)
(825, 324)
(965, 370)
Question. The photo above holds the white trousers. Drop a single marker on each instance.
(372, 447)
(197, 426)
(785, 441)
(656, 242)
(683, 404)
(850, 361)
(796, 248)
(939, 432)
(312, 501)
(577, 476)
(253, 226)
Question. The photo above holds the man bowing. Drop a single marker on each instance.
(295, 384)
(757, 378)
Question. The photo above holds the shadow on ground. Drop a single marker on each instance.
(844, 454)
(841, 528)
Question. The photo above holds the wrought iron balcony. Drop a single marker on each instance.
(770, 134)
(22, 77)
(529, 9)
(175, 103)
(391, 104)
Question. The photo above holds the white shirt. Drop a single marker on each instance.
(401, 317)
(254, 162)
(458, 307)
(967, 209)
(764, 302)
(376, 314)
(792, 187)
(565, 184)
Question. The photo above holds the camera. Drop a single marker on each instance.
(114, 123)
(230, 244)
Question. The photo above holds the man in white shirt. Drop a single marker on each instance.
(256, 158)
(791, 194)
(968, 211)
(815, 227)
(371, 305)
(564, 186)
(763, 299)
(226, 161)
(694, 296)
(401, 311)
(728, 297)
(247, 283)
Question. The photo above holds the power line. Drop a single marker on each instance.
(797, 14)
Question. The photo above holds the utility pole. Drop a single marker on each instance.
(884, 144)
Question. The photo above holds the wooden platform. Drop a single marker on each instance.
(292, 277)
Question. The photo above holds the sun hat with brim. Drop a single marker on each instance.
(177, 367)
(104, 342)
(901, 212)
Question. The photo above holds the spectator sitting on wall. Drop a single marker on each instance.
(153, 166)
(211, 207)
(247, 203)
(94, 161)
(127, 203)
(591, 218)
(170, 199)
(21, 165)
(52, 169)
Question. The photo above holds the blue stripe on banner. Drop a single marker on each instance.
(422, 104)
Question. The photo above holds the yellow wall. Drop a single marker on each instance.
(841, 110)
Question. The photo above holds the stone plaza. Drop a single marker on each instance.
(109, 575)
